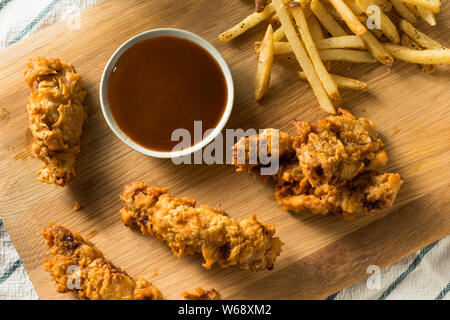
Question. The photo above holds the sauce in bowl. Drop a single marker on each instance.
(164, 83)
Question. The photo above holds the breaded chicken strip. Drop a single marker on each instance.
(78, 266)
(246, 243)
(332, 171)
(56, 115)
(270, 142)
(200, 294)
(369, 193)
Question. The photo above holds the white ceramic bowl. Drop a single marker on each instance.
(175, 33)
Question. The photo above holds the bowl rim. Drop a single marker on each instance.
(175, 33)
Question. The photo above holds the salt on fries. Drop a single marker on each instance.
(404, 11)
(409, 43)
(318, 32)
(432, 5)
(248, 23)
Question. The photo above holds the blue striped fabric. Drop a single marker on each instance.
(444, 292)
(4, 3)
(10, 271)
(35, 21)
(410, 269)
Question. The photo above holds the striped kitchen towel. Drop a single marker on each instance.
(422, 275)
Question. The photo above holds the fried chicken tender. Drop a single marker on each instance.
(333, 170)
(246, 243)
(368, 193)
(56, 116)
(270, 142)
(200, 294)
(78, 266)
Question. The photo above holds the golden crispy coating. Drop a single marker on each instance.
(270, 142)
(78, 266)
(368, 193)
(338, 147)
(246, 243)
(56, 115)
(333, 171)
(200, 294)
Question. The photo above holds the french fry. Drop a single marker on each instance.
(354, 7)
(346, 55)
(333, 11)
(387, 26)
(403, 11)
(412, 8)
(279, 47)
(344, 42)
(432, 5)
(375, 48)
(384, 5)
(302, 57)
(278, 34)
(428, 56)
(343, 82)
(377, 33)
(427, 16)
(265, 61)
(315, 28)
(326, 19)
(419, 37)
(327, 81)
(249, 22)
(409, 43)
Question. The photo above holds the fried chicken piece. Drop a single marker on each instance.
(333, 170)
(200, 294)
(270, 142)
(338, 147)
(368, 193)
(78, 266)
(220, 239)
(56, 116)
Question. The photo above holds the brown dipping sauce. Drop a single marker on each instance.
(162, 84)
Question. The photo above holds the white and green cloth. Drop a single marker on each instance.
(422, 275)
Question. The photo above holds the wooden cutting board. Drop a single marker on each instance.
(322, 254)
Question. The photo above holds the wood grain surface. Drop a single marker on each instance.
(321, 255)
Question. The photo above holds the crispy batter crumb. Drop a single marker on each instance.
(76, 206)
(200, 294)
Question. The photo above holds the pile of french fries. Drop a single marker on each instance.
(320, 31)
